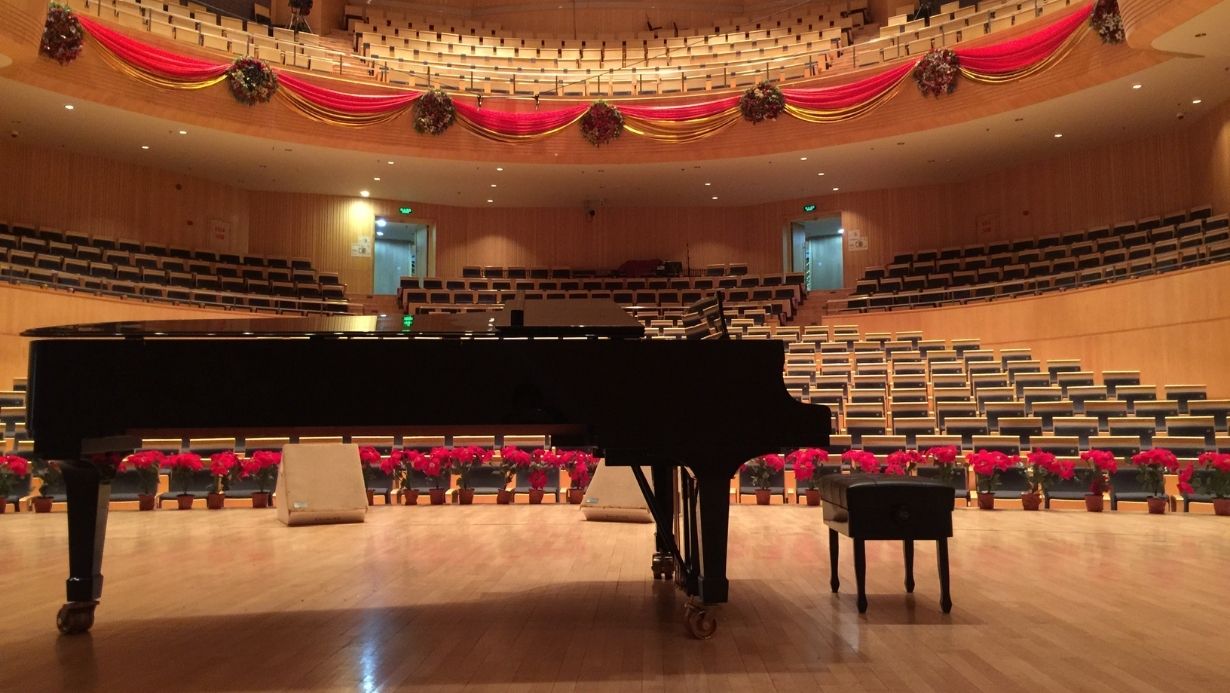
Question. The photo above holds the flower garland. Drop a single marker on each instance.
(602, 124)
(762, 102)
(937, 72)
(252, 81)
(62, 35)
(1107, 21)
(434, 112)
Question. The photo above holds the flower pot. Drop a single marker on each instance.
(536, 495)
(214, 501)
(371, 496)
(576, 495)
(4, 505)
(437, 496)
(185, 501)
(1031, 501)
(465, 496)
(813, 497)
(505, 497)
(1157, 505)
(1221, 506)
(1094, 502)
(260, 499)
(145, 501)
(42, 504)
(410, 496)
(986, 501)
(762, 496)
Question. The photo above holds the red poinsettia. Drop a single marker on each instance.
(861, 461)
(12, 468)
(945, 454)
(763, 468)
(988, 465)
(805, 462)
(1042, 468)
(183, 466)
(902, 462)
(578, 463)
(1153, 465)
(262, 466)
(466, 459)
(221, 466)
(1101, 464)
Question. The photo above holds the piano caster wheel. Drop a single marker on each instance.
(701, 623)
(76, 617)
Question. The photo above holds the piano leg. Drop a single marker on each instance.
(89, 492)
(907, 548)
(713, 523)
(664, 511)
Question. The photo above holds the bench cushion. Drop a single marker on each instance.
(879, 507)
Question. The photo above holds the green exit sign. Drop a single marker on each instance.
(405, 210)
(809, 208)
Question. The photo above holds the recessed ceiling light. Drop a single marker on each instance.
(380, 222)
(493, 185)
(802, 158)
(364, 193)
(390, 163)
(69, 107)
(836, 189)
(820, 174)
(491, 200)
(380, 234)
(715, 197)
(708, 183)
(145, 146)
(1138, 85)
(183, 132)
(1196, 101)
(499, 168)
(1058, 135)
(376, 178)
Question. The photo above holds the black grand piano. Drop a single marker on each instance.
(690, 410)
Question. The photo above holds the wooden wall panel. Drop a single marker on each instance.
(1173, 328)
(1210, 145)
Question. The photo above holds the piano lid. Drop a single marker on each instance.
(539, 318)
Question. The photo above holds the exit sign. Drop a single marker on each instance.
(809, 208)
(405, 210)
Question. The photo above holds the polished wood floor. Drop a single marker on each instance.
(534, 598)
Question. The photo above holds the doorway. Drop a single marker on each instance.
(396, 254)
(818, 251)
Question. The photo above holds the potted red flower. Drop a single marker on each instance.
(578, 463)
(261, 466)
(182, 467)
(1042, 468)
(408, 461)
(902, 462)
(1153, 465)
(12, 468)
(762, 470)
(1217, 482)
(944, 458)
(222, 466)
(374, 466)
(1100, 464)
(49, 473)
(511, 460)
(465, 460)
(861, 461)
(542, 462)
(435, 467)
(805, 462)
(146, 465)
(988, 465)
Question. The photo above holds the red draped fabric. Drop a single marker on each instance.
(153, 60)
(848, 95)
(1024, 52)
(519, 124)
(685, 112)
(355, 104)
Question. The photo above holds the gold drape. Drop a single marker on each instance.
(489, 134)
(150, 78)
(328, 116)
(1059, 54)
(681, 131)
(848, 113)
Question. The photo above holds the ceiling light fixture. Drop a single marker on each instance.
(493, 185)
(390, 163)
(820, 174)
(183, 132)
(1138, 85)
(499, 168)
(380, 222)
(145, 146)
(379, 234)
(1196, 101)
(364, 193)
(490, 200)
(376, 178)
(707, 184)
(715, 197)
(69, 107)
(1058, 135)
(836, 189)
(802, 158)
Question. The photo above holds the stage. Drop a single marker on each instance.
(533, 597)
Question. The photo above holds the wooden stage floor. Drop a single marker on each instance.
(534, 598)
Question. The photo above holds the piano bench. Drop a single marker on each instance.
(871, 506)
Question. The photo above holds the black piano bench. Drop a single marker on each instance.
(863, 506)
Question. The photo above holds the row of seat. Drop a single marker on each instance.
(722, 269)
(793, 280)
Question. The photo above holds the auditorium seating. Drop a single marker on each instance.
(155, 272)
(1027, 266)
(460, 56)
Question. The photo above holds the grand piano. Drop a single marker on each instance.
(691, 411)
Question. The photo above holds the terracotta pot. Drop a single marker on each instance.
(185, 501)
(4, 505)
(505, 497)
(42, 504)
(813, 497)
(762, 496)
(1157, 505)
(1221, 506)
(410, 496)
(437, 496)
(1031, 501)
(465, 496)
(371, 496)
(260, 499)
(986, 501)
(145, 501)
(576, 495)
(1094, 502)
(536, 495)
(214, 501)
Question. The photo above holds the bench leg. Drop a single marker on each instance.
(860, 574)
(834, 550)
(907, 548)
(941, 559)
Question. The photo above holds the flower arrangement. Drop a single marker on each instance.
(222, 467)
(1107, 21)
(182, 466)
(1101, 464)
(861, 461)
(988, 465)
(1217, 483)
(943, 457)
(465, 460)
(262, 466)
(762, 102)
(902, 462)
(252, 81)
(1042, 469)
(602, 124)
(513, 459)
(541, 463)
(146, 464)
(435, 466)
(936, 73)
(578, 463)
(12, 468)
(1152, 466)
(804, 463)
(47, 472)
(433, 112)
(62, 34)
(763, 468)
